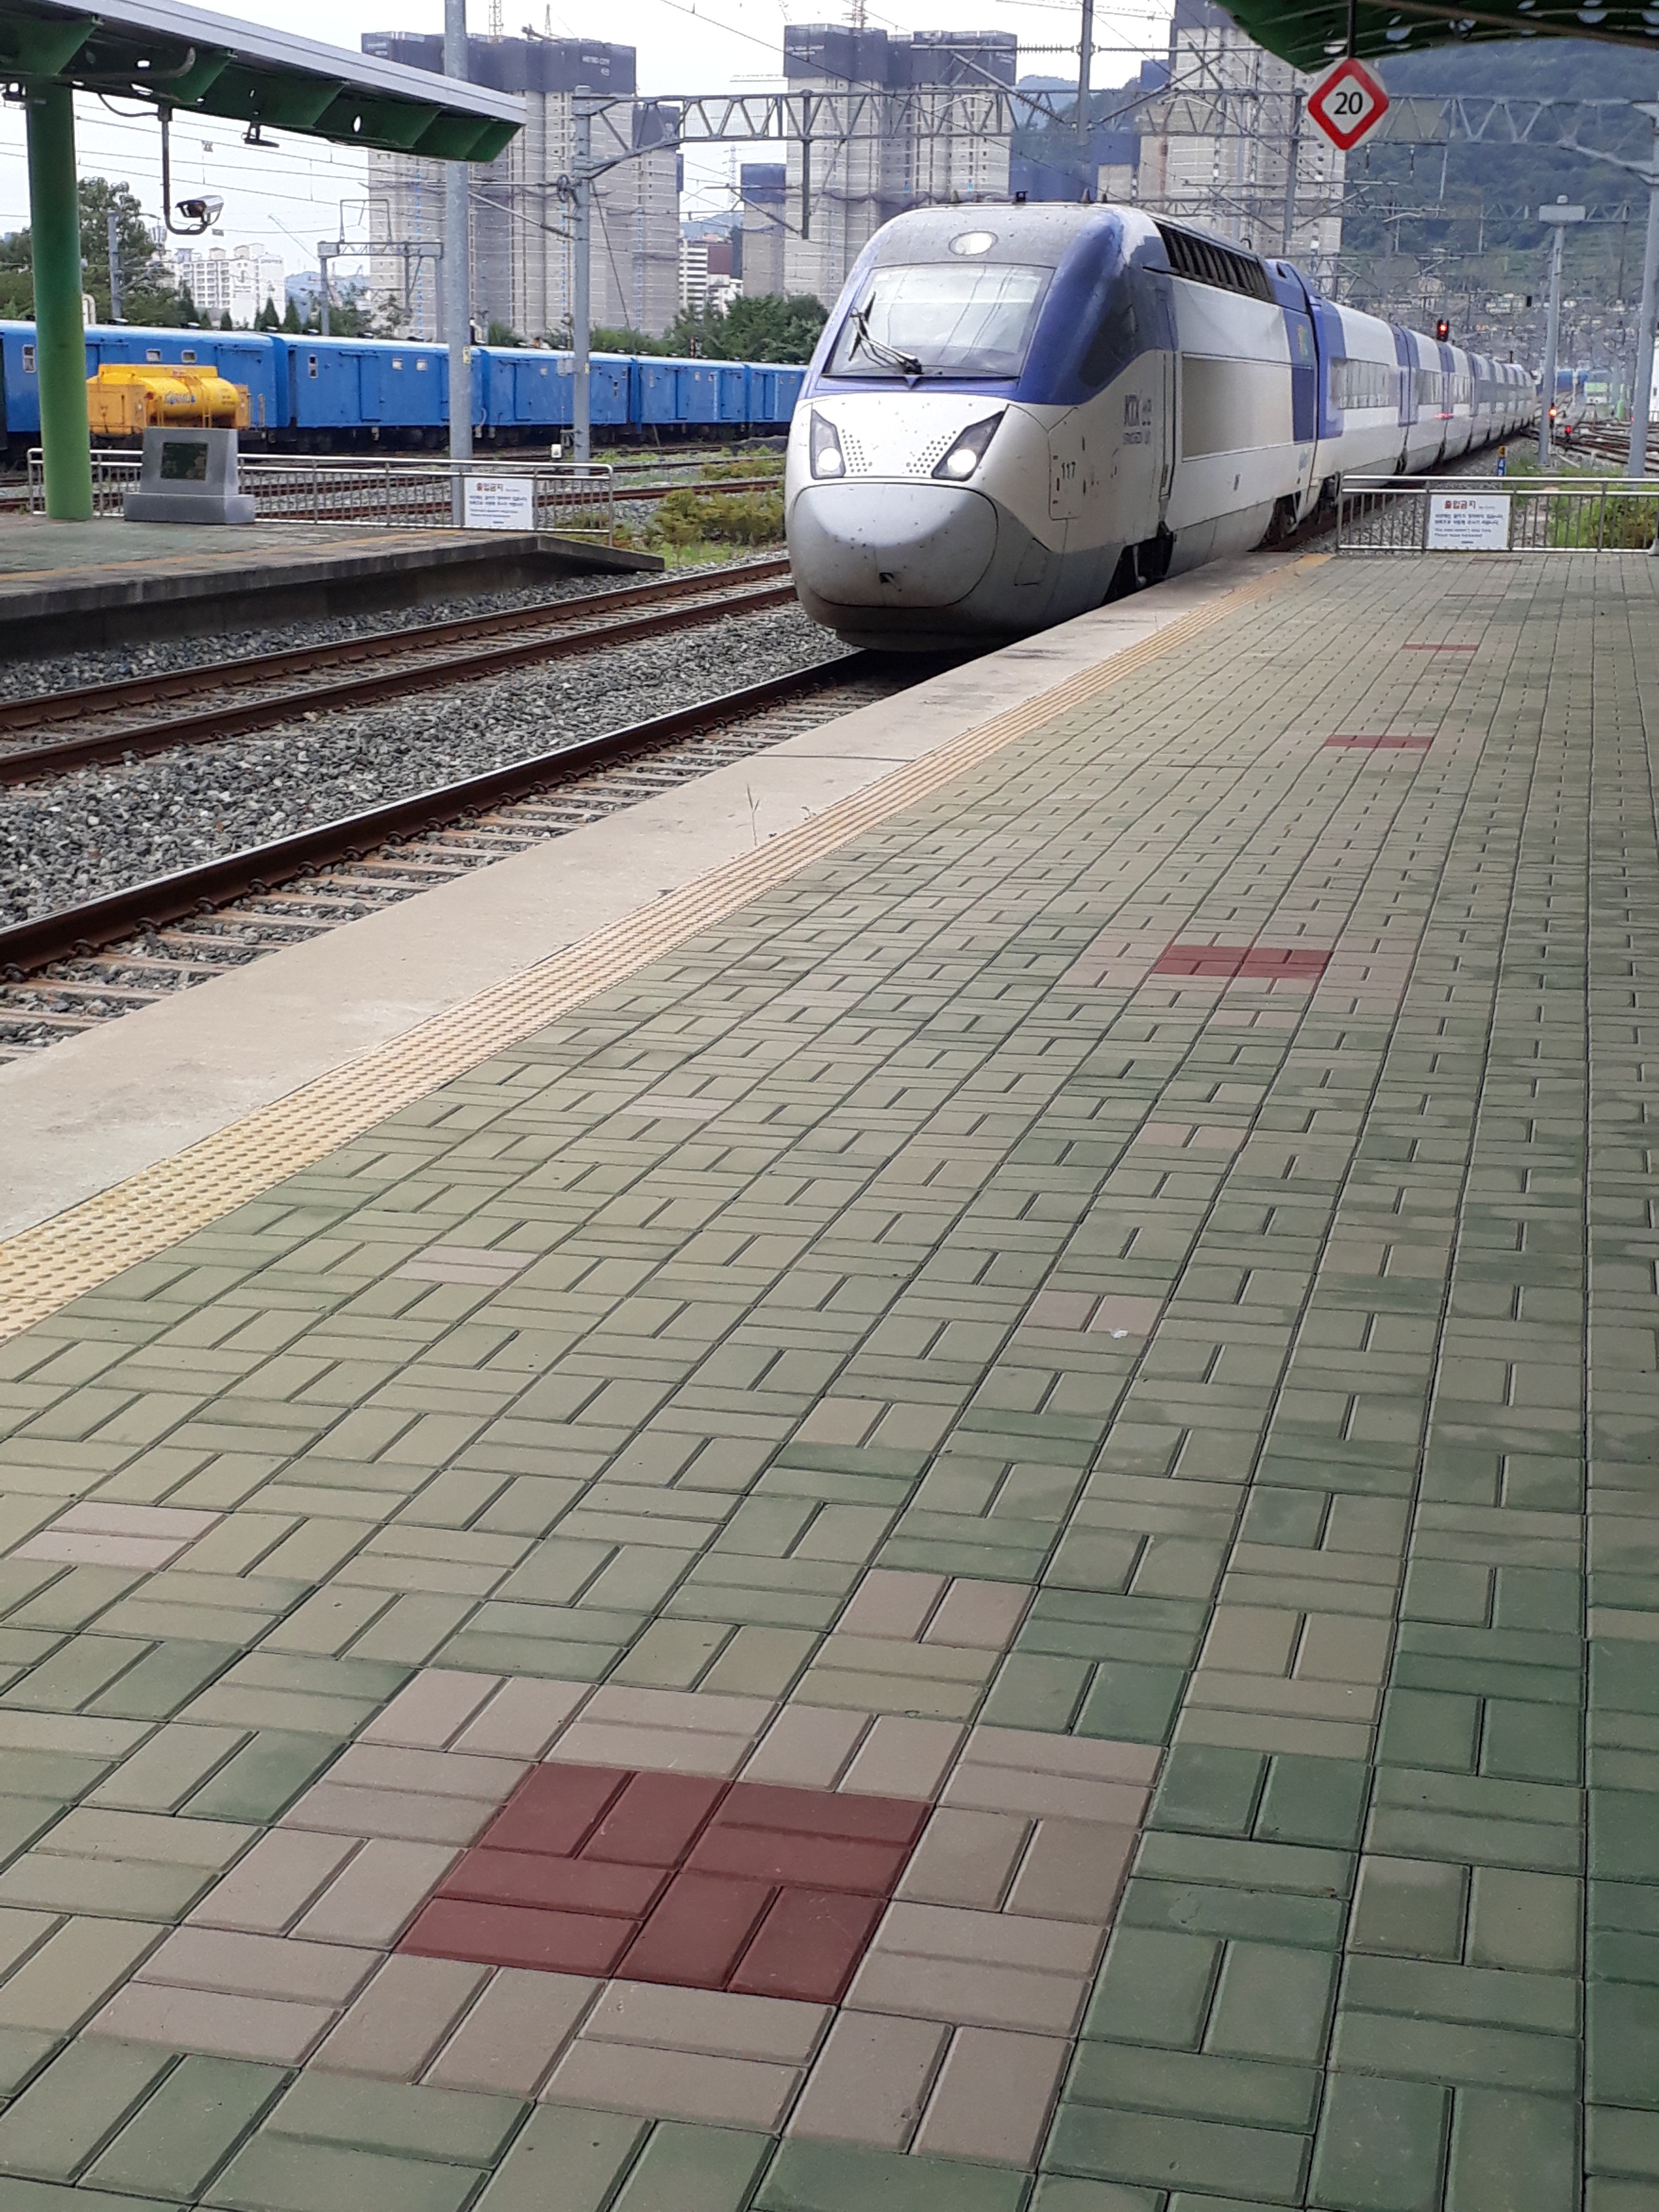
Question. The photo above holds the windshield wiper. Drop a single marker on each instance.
(889, 356)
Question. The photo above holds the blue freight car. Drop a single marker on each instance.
(527, 390)
(331, 394)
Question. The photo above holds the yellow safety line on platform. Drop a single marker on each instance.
(43, 1267)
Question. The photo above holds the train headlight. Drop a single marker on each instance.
(965, 456)
(828, 459)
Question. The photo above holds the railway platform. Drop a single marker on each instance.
(955, 1513)
(68, 585)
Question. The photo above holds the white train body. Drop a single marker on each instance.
(1018, 412)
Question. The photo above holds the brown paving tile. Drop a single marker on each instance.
(507, 2041)
(698, 1931)
(515, 1935)
(396, 2028)
(538, 1880)
(225, 2026)
(711, 2020)
(807, 1946)
(740, 2093)
(871, 2081)
(993, 2097)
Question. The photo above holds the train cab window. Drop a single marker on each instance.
(28, 361)
(928, 319)
(1111, 344)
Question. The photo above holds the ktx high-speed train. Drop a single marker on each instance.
(1018, 412)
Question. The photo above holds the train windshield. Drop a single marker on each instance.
(928, 320)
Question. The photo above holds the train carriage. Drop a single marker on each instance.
(1016, 412)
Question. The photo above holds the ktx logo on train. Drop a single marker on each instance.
(1347, 102)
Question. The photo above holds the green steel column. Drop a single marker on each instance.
(60, 351)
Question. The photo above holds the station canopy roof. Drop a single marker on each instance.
(1313, 34)
(201, 64)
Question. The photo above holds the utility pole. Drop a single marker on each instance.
(581, 184)
(1085, 54)
(1558, 217)
(114, 234)
(60, 349)
(322, 292)
(1288, 225)
(457, 263)
(1642, 397)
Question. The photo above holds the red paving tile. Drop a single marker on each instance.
(822, 1812)
(655, 1820)
(807, 1946)
(1270, 960)
(808, 1862)
(698, 1932)
(535, 1878)
(513, 1936)
(778, 1891)
(553, 1809)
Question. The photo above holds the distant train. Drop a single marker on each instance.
(1017, 413)
(316, 394)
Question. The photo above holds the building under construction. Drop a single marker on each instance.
(898, 121)
(521, 242)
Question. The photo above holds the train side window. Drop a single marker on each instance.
(28, 361)
(189, 354)
(310, 364)
(397, 358)
(419, 363)
(153, 353)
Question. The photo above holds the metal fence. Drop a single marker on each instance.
(568, 499)
(1497, 514)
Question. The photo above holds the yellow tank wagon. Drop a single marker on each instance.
(125, 399)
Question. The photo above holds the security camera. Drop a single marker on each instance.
(205, 210)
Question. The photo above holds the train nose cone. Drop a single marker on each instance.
(890, 545)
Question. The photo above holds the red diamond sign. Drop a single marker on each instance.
(1346, 103)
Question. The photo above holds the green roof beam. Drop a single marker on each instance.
(33, 47)
(1311, 37)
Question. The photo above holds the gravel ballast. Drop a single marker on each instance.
(100, 830)
(73, 672)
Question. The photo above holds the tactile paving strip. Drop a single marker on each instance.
(43, 1267)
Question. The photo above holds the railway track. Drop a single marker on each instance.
(141, 715)
(66, 972)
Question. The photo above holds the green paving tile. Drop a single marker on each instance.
(691, 2169)
(1208, 1790)
(808, 2177)
(440, 2124)
(1154, 1987)
(1170, 2153)
(1131, 1703)
(17, 2195)
(67, 2112)
(187, 2129)
(1382, 2146)
(1208, 2085)
(275, 2173)
(1512, 2154)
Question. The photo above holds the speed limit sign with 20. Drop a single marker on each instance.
(1347, 102)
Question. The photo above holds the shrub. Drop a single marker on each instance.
(686, 517)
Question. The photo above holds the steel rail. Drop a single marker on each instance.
(31, 763)
(43, 707)
(27, 946)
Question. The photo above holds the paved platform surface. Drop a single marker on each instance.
(58, 573)
(933, 1554)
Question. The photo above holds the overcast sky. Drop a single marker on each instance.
(288, 198)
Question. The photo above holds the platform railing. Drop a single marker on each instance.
(1390, 514)
(567, 499)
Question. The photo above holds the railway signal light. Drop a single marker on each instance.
(1443, 330)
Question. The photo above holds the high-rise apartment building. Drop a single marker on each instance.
(899, 120)
(1231, 148)
(521, 246)
(762, 215)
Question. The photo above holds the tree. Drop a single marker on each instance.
(225, 323)
(149, 293)
(770, 327)
(268, 318)
(291, 315)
